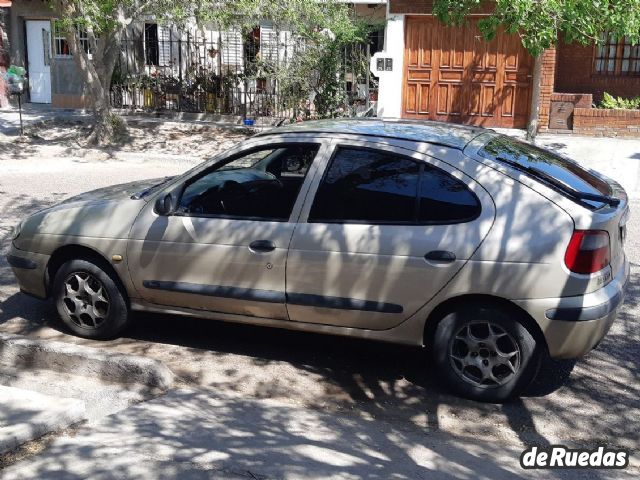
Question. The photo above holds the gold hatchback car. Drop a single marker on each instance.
(485, 249)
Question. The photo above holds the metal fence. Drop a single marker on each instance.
(227, 72)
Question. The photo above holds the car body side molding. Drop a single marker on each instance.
(342, 303)
(251, 294)
(273, 296)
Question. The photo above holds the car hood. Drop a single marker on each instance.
(104, 213)
(116, 192)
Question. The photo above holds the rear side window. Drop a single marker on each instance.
(563, 170)
(444, 199)
(377, 187)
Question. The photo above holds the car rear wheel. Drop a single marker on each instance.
(486, 353)
(90, 302)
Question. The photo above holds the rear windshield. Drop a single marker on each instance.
(565, 171)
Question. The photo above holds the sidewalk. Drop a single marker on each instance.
(189, 434)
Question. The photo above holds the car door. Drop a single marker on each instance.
(383, 230)
(224, 249)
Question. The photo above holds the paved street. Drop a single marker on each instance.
(592, 401)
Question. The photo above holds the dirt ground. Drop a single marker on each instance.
(67, 137)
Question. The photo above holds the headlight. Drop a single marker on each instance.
(16, 231)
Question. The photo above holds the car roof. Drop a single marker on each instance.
(439, 133)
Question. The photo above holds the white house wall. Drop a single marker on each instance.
(390, 86)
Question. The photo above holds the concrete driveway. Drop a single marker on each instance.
(592, 401)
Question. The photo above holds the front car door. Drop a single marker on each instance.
(225, 247)
(386, 229)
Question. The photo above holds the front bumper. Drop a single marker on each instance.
(572, 326)
(30, 270)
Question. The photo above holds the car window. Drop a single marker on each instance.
(445, 199)
(261, 184)
(561, 169)
(367, 186)
(374, 186)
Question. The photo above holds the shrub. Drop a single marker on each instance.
(611, 102)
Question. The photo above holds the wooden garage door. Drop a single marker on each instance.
(453, 74)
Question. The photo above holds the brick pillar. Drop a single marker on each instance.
(547, 83)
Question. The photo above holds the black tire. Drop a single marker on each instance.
(465, 328)
(108, 319)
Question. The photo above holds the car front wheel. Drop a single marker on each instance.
(89, 300)
(486, 353)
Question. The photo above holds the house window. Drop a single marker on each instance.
(60, 44)
(151, 56)
(616, 56)
(157, 45)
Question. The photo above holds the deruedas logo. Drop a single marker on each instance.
(559, 456)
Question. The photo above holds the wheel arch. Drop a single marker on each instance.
(449, 305)
(79, 252)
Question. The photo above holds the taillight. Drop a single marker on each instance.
(588, 251)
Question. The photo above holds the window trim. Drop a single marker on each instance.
(235, 156)
(422, 164)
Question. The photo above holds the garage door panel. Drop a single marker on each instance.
(451, 75)
(412, 43)
(509, 93)
(426, 51)
(410, 97)
(443, 98)
(455, 99)
(454, 74)
(474, 103)
(424, 95)
(521, 102)
(420, 75)
(488, 100)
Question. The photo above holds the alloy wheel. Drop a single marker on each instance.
(484, 354)
(85, 300)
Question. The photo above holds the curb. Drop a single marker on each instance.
(26, 353)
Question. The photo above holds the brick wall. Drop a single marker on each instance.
(418, 7)
(547, 82)
(411, 6)
(574, 74)
(606, 123)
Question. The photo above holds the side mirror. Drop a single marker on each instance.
(164, 205)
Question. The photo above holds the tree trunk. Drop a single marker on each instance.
(102, 118)
(97, 70)
(532, 127)
(103, 61)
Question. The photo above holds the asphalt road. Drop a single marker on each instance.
(592, 401)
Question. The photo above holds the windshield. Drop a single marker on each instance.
(548, 164)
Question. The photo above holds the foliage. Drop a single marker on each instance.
(611, 102)
(104, 22)
(100, 17)
(540, 22)
(323, 30)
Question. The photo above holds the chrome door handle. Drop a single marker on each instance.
(262, 246)
(440, 256)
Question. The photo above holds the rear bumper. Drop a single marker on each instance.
(572, 326)
(29, 269)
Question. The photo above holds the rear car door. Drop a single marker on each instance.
(224, 249)
(381, 232)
